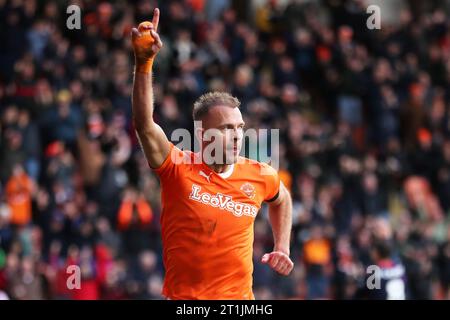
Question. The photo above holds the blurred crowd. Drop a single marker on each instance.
(364, 139)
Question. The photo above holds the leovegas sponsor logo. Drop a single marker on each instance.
(222, 202)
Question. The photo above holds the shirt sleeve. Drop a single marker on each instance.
(170, 167)
(272, 182)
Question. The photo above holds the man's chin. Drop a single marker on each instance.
(232, 159)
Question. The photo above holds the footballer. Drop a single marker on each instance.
(208, 208)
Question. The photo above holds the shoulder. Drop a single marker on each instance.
(262, 167)
(179, 156)
(255, 168)
(175, 161)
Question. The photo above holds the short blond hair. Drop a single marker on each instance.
(211, 99)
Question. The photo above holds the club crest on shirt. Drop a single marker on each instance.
(249, 190)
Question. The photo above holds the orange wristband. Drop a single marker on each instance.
(144, 63)
(144, 67)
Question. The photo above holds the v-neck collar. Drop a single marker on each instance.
(227, 173)
(224, 175)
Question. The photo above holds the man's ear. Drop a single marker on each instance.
(198, 132)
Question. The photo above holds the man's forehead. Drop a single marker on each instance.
(221, 114)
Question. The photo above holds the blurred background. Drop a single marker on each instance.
(364, 138)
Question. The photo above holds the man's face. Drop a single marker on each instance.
(225, 124)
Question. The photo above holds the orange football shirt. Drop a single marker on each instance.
(207, 225)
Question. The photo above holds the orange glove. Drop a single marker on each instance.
(146, 43)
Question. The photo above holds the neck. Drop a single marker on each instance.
(220, 168)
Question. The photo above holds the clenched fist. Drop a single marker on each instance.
(278, 261)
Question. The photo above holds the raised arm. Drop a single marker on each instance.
(146, 44)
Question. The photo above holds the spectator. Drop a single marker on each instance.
(134, 218)
(317, 256)
(19, 191)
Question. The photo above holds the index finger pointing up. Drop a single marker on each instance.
(155, 20)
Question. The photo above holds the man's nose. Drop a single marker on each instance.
(235, 134)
